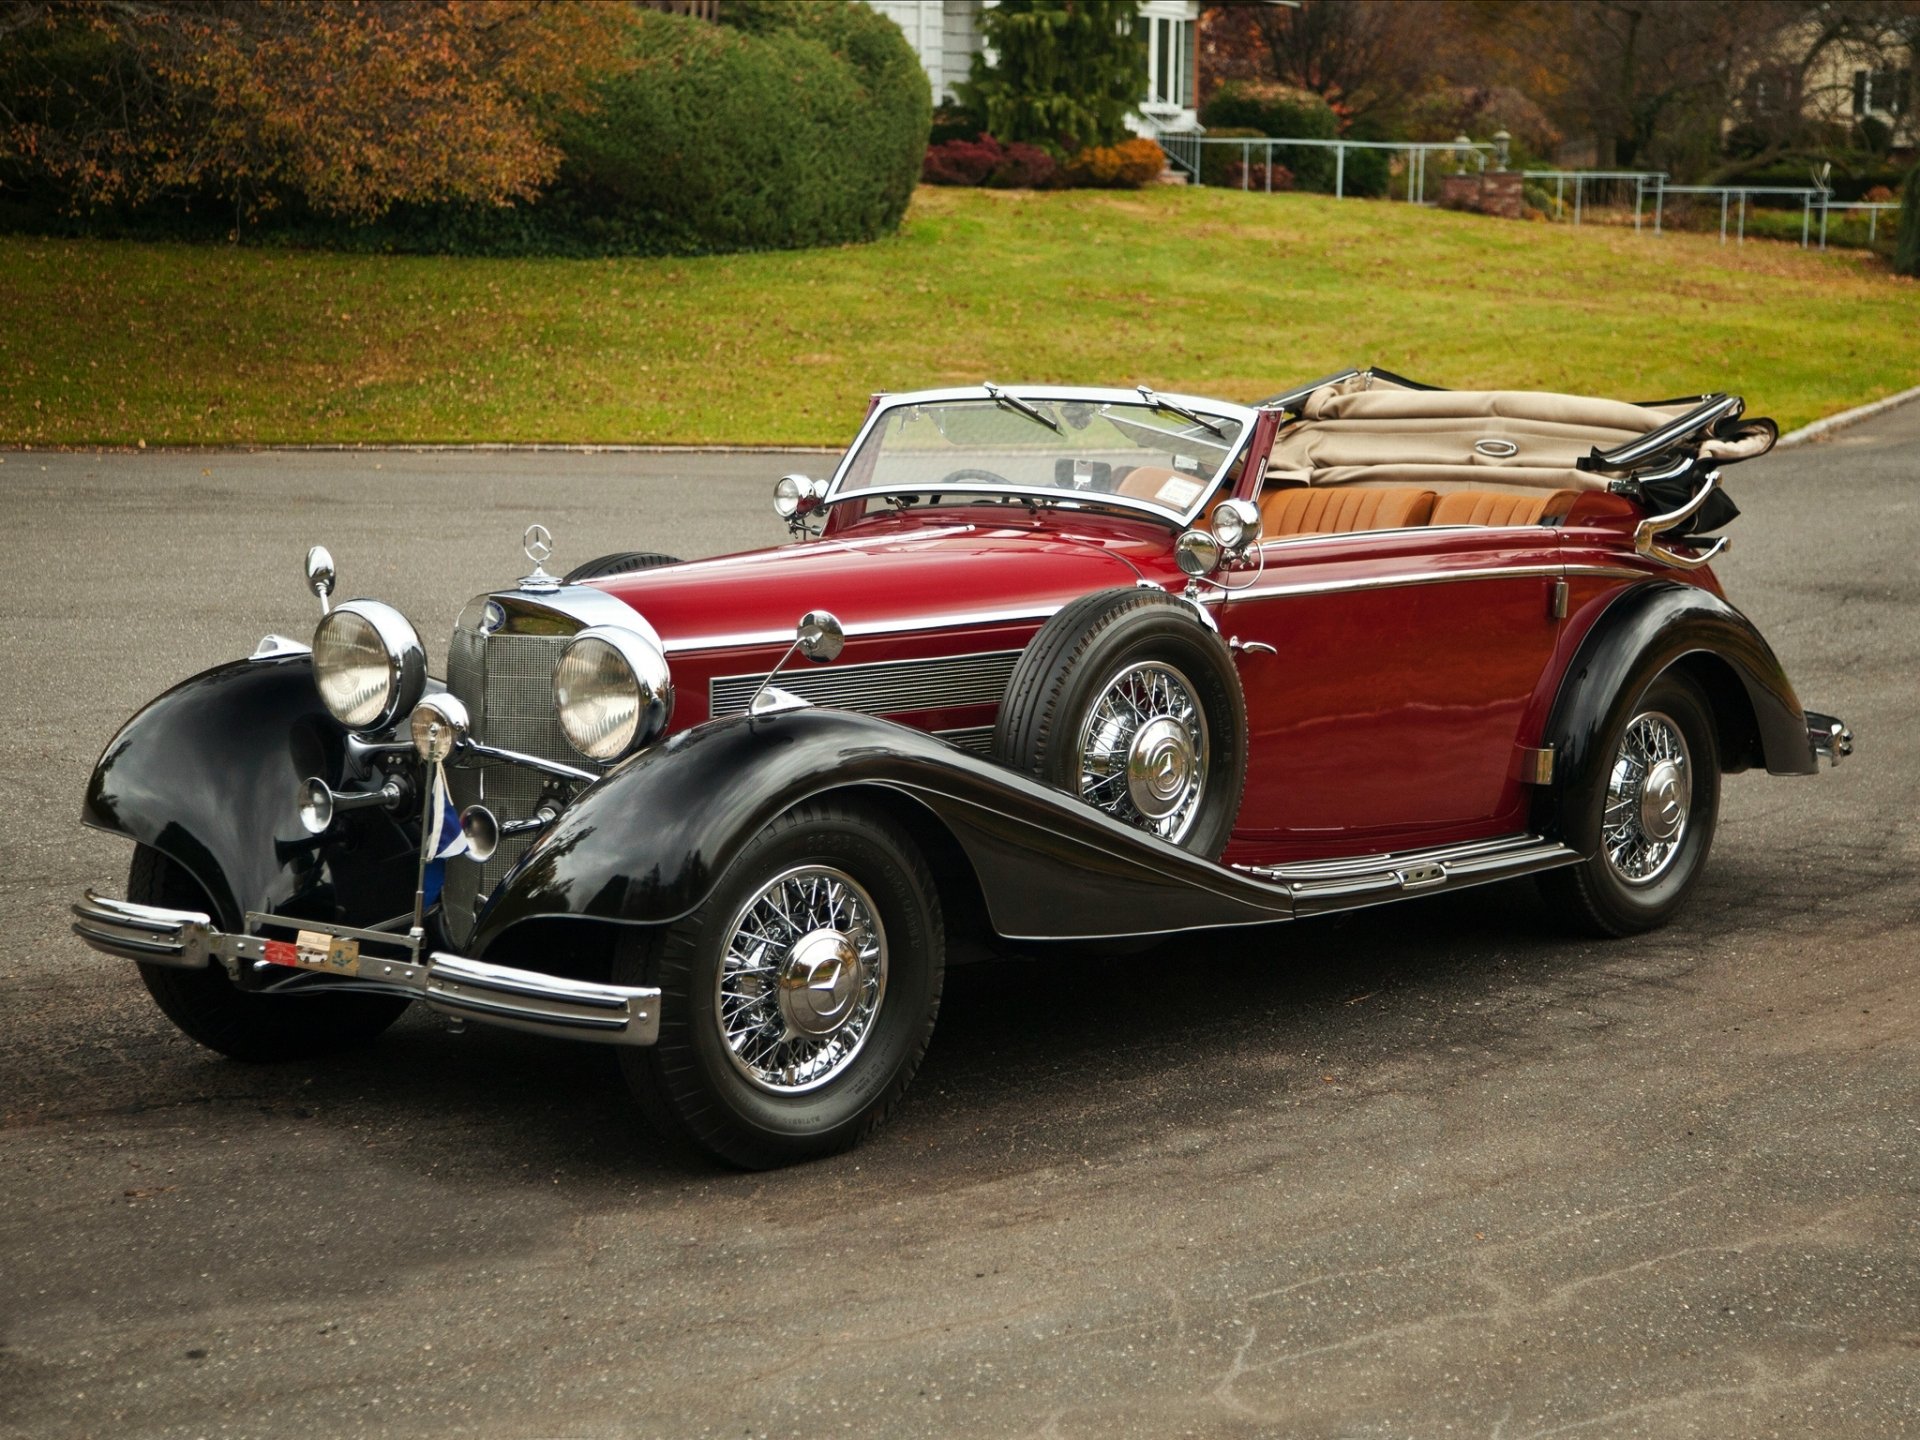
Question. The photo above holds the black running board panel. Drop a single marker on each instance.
(1322, 886)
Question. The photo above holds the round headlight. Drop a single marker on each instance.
(611, 692)
(369, 664)
(796, 495)
(1236, 523)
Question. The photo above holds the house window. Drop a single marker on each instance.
(1170, 62)
(1881, 92)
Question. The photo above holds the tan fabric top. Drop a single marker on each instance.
(1371, 431)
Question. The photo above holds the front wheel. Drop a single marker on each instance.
(256, 1028)
(1653, 803)
(797, 1001)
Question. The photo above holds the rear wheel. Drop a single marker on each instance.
(256, 1028)
(1653, 805)
(797, 1002)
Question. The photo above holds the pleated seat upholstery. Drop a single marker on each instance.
(1493, 507)
(1340, 509)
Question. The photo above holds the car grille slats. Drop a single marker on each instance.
(891, 687)
(506, 683)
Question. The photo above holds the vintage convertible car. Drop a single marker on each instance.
(1105, 664)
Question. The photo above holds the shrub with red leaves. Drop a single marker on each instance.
(985, 161)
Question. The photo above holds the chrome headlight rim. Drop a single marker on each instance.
(405, 659)
(1236, 525)
(647, 676)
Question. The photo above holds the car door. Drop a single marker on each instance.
(1403, 664)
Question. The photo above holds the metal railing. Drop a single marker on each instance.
(1187, 149)
(1590, 189)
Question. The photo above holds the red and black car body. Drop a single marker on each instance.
(1101, 665)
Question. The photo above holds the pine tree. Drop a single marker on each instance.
(1066, 73)
(1906, 248)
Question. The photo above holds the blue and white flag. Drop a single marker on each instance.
(445, 839)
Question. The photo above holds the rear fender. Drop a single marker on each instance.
(1643, 632)
(208, 775)
(647, 844)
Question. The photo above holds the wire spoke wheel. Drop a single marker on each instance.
(1143, 750)
(1649, 799)
(801, 980)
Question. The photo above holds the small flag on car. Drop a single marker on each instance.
(446, 839)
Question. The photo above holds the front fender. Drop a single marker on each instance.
(207, 774)
(1644, 631)
(647, 843)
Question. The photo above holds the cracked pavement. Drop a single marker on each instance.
(1429, 1170)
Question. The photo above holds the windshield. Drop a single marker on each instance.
(1147, 455)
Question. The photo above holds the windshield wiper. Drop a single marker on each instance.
(1014, 402)
(1160, 402)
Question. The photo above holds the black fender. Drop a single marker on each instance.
(647, 843)
(1645, 630)
(208, 775)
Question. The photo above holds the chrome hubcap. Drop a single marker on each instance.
(1649, 796)
(802, 978)
(1143, 750)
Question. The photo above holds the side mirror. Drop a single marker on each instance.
(320, 574)
(820, 636)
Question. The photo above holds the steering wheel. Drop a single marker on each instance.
(969, 473)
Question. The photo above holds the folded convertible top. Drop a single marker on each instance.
(1376, 428)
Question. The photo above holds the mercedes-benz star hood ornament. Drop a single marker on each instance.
(538, 545)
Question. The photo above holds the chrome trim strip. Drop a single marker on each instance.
(1319, 887)
(1394, 582)
(869, 627)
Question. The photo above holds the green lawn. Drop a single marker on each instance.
(1198, 290)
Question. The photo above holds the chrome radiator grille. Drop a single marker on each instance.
(506, 683)
(890, 687)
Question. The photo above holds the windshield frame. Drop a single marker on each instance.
(1049, 497)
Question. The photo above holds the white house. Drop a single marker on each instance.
(945, 34)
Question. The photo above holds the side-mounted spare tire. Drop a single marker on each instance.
(621, 562)
(1128, 700)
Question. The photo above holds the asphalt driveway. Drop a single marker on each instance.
(1436, 1170)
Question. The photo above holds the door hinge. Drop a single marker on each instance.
(1557, 600)
(1536, 766)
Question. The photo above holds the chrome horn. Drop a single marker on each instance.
(319, 802)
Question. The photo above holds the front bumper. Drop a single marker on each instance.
(454, 985)
(1828, 738)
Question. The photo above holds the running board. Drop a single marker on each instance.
(1320, 886)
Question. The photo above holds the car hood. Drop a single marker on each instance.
(921, 579)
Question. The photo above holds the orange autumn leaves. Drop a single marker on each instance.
(351, 106)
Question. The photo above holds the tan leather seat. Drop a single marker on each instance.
(1494, 507)
(1340, 509)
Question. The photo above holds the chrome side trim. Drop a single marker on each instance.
(1398, 581)
(959, 619)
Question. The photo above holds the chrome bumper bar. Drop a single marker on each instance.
(1829, 739)
(451, 984)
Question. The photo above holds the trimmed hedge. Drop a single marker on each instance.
(1279, 110)
(806, 129)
